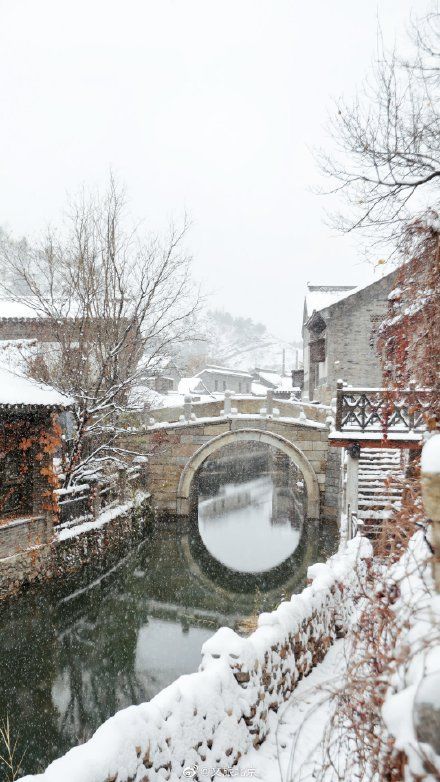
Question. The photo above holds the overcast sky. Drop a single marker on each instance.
(208, 106)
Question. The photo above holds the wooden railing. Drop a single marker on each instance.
(383, 410)
(88, 499)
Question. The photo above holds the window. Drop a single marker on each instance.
(224, 385)
(216, 385)
(239, 387)
(317, 350)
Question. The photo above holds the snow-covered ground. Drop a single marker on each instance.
(293, 749)
(302, 745)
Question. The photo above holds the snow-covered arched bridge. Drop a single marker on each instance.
(177, 447)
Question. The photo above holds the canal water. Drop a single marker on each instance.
(72, 654)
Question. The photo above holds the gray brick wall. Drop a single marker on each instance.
(351, 353)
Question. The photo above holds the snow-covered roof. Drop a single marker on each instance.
(275, 380)
(18, 391)
(258, 389)
(190, 385)
(285, 383)
(156, 364)
(211, 369)
(268, 376)
(318, 297)
(17, 309)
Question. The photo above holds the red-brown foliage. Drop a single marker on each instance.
(409, 337)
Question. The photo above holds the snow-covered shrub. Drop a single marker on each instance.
(378, 728)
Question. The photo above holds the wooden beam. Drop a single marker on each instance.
(410, 444)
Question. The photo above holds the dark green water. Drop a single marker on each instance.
(72, 655)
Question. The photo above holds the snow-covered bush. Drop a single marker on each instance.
(383, 708)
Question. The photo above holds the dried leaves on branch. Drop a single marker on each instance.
(115, 300)
(391, 646)
(409, 337)
(388, 169)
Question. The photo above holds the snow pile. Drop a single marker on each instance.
(15, 355)
(431, 455)
(291, 640)
(395, 294)
(296, 747)
(411, 711)
(107, 515)
(209, 719)
(314, 735)
(140, 396)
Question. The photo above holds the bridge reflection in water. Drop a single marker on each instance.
(255, 523)
(241, 530)
(72, 655)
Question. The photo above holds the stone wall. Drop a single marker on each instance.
(350, 341)
(40, 555)
(332, 505)
(23, 568)
(350, 336)
(40, 329)
(22, 534)
(210, 719)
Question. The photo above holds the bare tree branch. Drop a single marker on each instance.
(115, 301)
(387, 156)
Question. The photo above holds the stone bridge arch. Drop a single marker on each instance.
(257, 435)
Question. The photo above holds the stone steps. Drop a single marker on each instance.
(369, 468)
(382, 505)
(364, 497)
(377, 486)
(379, 492)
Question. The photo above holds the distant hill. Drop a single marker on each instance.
(237, 342)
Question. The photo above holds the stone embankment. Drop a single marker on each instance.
(208, 720)
(35, 551)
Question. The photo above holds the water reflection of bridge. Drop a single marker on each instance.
(111, 640)
(220, 491)
(287, 504)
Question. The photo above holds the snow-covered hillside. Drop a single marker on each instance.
(239, 343)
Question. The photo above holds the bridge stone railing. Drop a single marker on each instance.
(208, 720)
(171, 437)
(251, 405)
